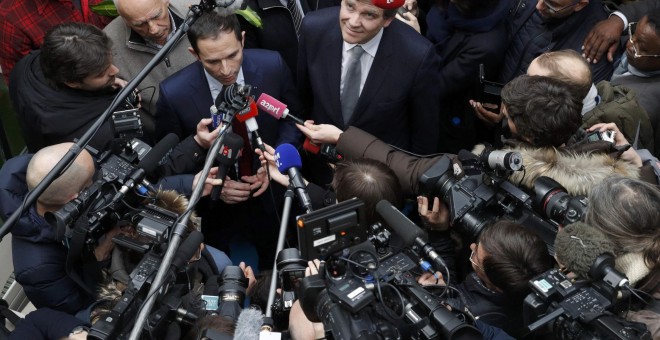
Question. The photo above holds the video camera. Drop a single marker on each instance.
(364, 292)
(583, 309)
(478, 193)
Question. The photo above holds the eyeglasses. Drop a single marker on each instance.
(472, 255)
(556, 10)
(634, 47)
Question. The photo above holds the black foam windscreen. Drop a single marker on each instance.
(156, 156)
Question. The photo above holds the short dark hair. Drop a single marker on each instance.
(653, 18)
(210, 25)
(545, 111)
(369, 180)
(73, 51)
(514, 256)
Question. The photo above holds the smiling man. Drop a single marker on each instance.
(359, 67)
(60, 90)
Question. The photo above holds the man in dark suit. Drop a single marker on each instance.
(186, 96)
(281, 25)
(395, 96)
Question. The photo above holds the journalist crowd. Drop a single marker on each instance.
(333, 169)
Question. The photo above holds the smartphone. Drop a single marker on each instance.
(492, 91)
(401, 10)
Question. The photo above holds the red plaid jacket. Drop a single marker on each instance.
(24, 23)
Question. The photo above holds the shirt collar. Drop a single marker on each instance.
(371, 46)
(215, 86)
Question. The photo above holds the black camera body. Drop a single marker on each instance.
(365, 289)
(478, 193)
(582, 309)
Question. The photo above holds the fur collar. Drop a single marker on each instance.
(634, 266)
(577, 172)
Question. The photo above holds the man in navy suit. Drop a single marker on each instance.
(398, 98)
(185, 97)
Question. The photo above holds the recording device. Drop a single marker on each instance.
(290, 269)
(328, 151)
(360, 294)
(288, 162)
(331, 229)
(583, 309)
(554, 203)
(402, 10)
(276, 108)
(117, 323)
(607, 136)
(477, 192)
(231, 292)
(126, 119)
(578, 245)
(492, 91)
(227, 156)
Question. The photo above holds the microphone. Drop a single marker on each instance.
(276, 108)
(578, 245)
(388, 4)
(408, 231)
(288, 162)
(186, 250)
(158, 154)
(247, 116)
(227, 155)
(248, 324)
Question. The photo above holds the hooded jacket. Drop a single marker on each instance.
(49, 115)
(38, 259)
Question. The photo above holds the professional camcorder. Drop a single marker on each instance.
(478, 193)
(583, 309)
(362, 292)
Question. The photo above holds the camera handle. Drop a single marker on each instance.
(286, 210)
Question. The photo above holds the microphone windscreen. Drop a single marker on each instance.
(250, 111)
(578, 245)
(287, 157)
(228, 152)
(248, 325)
(157, 155)
(271, 105)
(311, 147)
(402, 226)
(187, 249)
(388, 4)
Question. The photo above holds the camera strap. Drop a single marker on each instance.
(91, 274)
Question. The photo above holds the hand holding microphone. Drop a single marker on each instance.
(268, 159)
(204, 137)
(320, 133)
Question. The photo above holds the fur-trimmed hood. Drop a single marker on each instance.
(577, 172)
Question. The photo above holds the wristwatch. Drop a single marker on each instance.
(79, 330)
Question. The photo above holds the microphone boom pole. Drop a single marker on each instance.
(74, 151)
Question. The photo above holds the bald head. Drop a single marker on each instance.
(149, 18)
(67, 186)
(565, 65)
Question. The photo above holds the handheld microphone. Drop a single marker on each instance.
(409, 232)
(578, 245)
(227, 155)
(186, 250)
(310, 147)
(276, 108)
(247, 116)
(288, 162)
(388, 4)
(158, 155)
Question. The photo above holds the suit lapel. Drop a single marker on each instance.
(378, 75)
(201, 92)
(332, 72)
(252, 76)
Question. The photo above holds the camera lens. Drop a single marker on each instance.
(234, 284)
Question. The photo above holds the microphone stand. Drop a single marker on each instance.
(179, 230)
(288, 198)
(74, 151)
